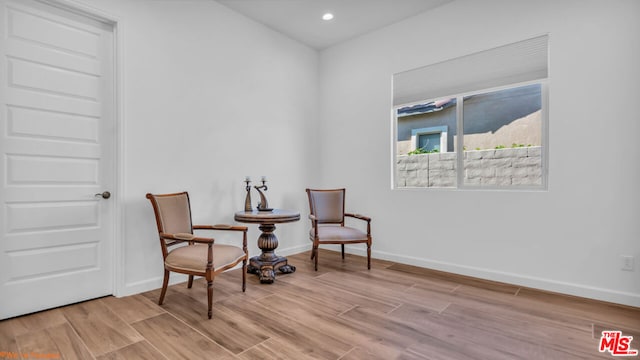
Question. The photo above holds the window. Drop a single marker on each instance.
(429, 140)
(478, 121)
(502, 137)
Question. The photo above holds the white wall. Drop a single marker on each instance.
(585, 220)
(234, 99)
(208, 98)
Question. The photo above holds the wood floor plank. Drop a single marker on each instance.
(434, 300)
(8, 344)
(273, 349)
(597, 311)
(10, 328)
(298, 334)
(393, 331)
(381, 290)
(456, 279)
(565, 338)
(304, 267)
(343, 294)
(36, 321)
(449, 351)
(354, 285)
(326, 322)
(457, 340)
(408, 279)
(372, 352)
(315, 297)
(57, 341)
(224, 328)
(177, 340)
(480, 335)
(132, 308)
(100, 329)
(455, 351)
(140, 351)
(541, 307)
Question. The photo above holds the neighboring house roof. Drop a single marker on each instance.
(432, 106)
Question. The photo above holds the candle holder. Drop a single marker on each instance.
(263, 205)
(247, 199)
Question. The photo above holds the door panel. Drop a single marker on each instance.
(51, 79)
(57, 147)
(56, 29)
(32, 123)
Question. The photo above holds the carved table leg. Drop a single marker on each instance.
(266, 264)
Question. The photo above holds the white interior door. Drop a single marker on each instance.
(57, 151)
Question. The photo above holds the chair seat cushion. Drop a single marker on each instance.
(194, 257)
(338, 233)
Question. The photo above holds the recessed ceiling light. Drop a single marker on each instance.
(327, 16)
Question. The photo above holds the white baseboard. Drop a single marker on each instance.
(294, 250)
(149, 284)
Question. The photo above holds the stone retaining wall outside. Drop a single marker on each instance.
(499, 167)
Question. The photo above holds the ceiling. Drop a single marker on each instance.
(302, 19)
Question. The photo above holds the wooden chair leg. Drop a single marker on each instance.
(190, 283)
(369, 256)
(342, 247)
(210, 297)
(313, 253)
(315, 256)
(165, 283)
(244, 275)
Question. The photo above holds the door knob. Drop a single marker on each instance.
(104, 194)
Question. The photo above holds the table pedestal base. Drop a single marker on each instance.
(266, 264)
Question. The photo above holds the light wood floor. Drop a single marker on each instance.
(342, 311)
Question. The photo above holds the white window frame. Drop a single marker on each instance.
(512, 65)
(459, 146)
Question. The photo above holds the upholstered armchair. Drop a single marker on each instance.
(198, 256)
(327, 217)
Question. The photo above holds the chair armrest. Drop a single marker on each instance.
(314, 224)
(220, 227)
(314, 221)
(358, 216)
(183, 236)
(361, 217)
(226, 227)
(187, 237)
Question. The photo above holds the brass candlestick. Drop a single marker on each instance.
(263, 205)
(247, 199)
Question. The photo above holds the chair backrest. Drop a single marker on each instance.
(327, 205)
(173, 214)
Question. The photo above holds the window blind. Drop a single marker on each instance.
(521, 61)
